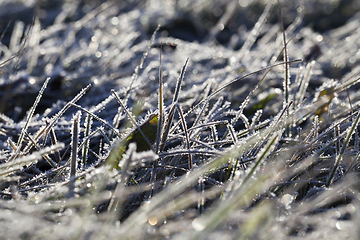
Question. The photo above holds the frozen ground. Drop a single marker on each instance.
(293, 131)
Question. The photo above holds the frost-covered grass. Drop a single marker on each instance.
(219, 124)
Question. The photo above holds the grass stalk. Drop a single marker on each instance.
(74, 151)
(339, 157)
(31, 112)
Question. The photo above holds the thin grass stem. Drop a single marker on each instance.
(31, 112)
(350, 132)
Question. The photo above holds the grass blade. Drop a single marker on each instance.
(186, 132)
(132, 119)
(74, 151)
(350, 132)
(31, 112)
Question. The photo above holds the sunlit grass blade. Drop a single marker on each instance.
(31, 112)
(74, 151)
(161, 109)
(179, 81)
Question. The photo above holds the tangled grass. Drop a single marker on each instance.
(115, 127)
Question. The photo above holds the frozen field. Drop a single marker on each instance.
(179, 119)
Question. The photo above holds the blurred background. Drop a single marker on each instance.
(187, 20)
(88, 41)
